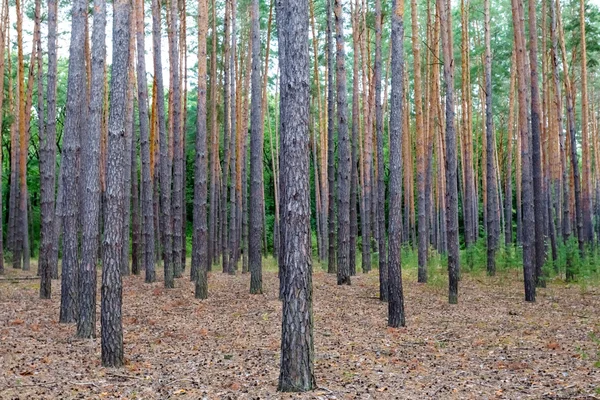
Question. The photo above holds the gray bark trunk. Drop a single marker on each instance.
(112, 286)
(86, 324)
(296, 370)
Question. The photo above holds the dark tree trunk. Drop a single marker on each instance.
(331, 267)
(297, 348)
(166, 221)
(493, 225)
(451, 158)
(536, 155)
(147, 190)
(344, 166)
(528, 216)
(48, 162)
(396, 316)
(200, 260)
(256, 158)
(86, 323)
(74, 122)
(112, 286)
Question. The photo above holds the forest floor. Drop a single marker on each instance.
(491, 345)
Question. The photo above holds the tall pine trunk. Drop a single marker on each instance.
(86, 323)
(396, 316)
(112, 286)
(74, 122)
(451, 158)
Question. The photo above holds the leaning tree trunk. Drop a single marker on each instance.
(396, 316)
(86, 323)
(74, 120)
(296, 371)
(112, 286)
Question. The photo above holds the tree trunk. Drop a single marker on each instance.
(256, 158)
(112, 286)
(493, 225)
(586, 193)
(396, 316)
(200, 260)
(331, 266)
(214, 150)
(177, 135)
(86, 323)
(421, 148)
(297, 348)
(536, 156)
(451, 159)
(166, 221)
(48, 162)
(528, 216)
(344, 163)
(74, 122)
(147, 190)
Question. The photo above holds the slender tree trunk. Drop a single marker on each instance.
(232, 245)
(528, 221)
(200, 260)
(177, 135)
(48, 161)
(226, 137)
(112, 286)
(344, 165)
(396, 316)
(572, 144)
(147, 190)
(493, 225)
(451, 159)
(331, 264)
(86, 323)
(421, 148)
(166, 221)
(214, 150)
(536, 156)
(256, 158)
(586, 202)
(75, 118)
(136, 229)
(508, 237)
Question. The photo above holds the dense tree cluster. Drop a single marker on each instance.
(124, 165)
